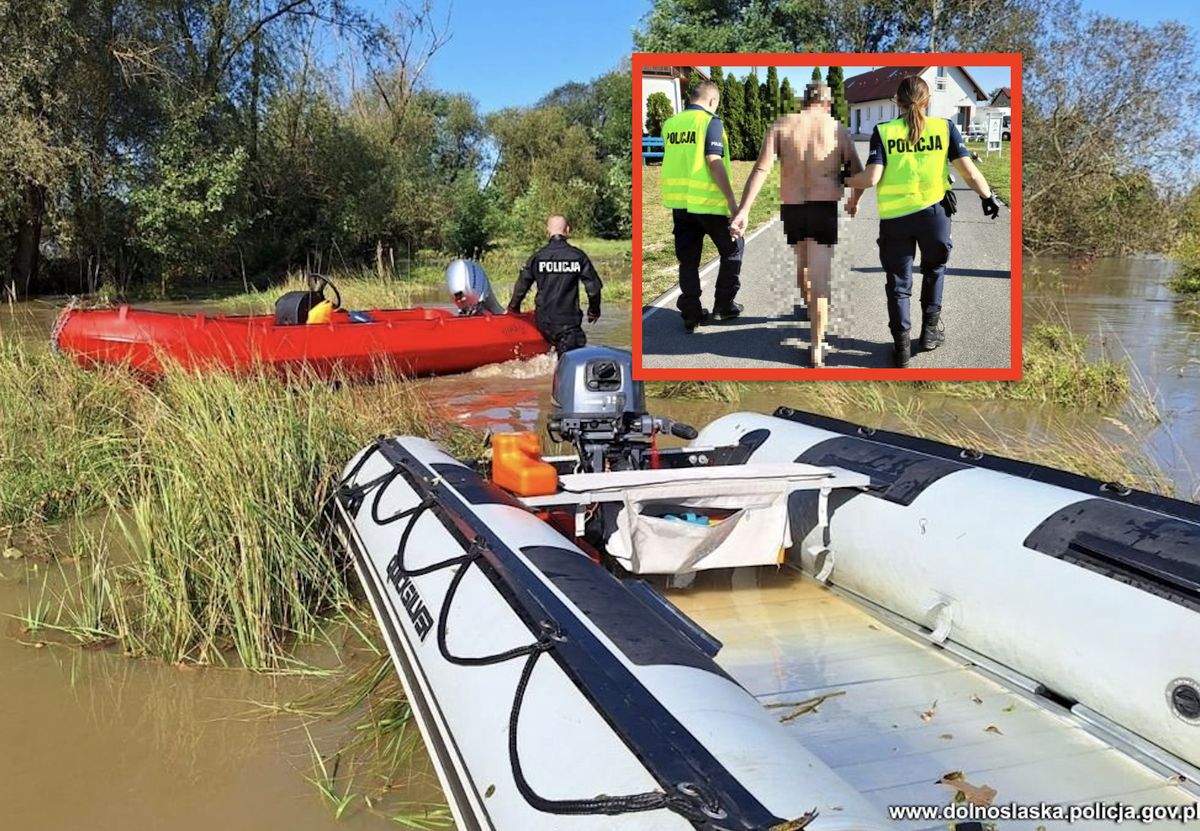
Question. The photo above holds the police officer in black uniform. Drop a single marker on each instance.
(557, 268)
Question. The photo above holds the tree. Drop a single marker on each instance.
(717, 75)
(473, 222)
(733, 106)
(752, 125)
(772, 103)
(787, 98)
(816, 75)
(187, 211)
(837, 85)
(1085, 139)
(545, 165)
(694, 80)
(732, 26)
(658, 110)
(845, 26)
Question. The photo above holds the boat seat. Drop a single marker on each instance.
(681, 520)
(292, 308)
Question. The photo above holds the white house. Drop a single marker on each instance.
(670, 80)
(953, 94)
(1001, 103)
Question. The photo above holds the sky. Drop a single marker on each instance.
(512, 52)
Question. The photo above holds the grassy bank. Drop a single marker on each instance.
(659, 267)
(211, 547)
(1059, 378)
(64, 434)
(1187, 281)
(997, 169)
(1056, 370)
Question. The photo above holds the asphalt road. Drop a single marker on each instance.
(975, 303)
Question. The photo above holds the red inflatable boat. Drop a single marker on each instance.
(352, 345)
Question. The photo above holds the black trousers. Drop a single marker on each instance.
(929, 231)
(564, 338)
(690, 231)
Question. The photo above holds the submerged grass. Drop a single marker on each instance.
(213, 548)
(1056, 369)
(376, 763)
(1187, 281)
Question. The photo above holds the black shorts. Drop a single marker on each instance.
(816, 221)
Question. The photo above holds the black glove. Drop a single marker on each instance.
(991, 208)
(593, 314)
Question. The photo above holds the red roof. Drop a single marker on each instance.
(882, 83)
(1005, 91)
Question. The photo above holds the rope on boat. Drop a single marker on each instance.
(693, 802)
(61, 321)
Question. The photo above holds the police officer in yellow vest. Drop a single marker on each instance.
(696, 186)
(907, 161)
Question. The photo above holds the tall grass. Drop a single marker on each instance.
(214, 549)
(64, 435)
(1187, 281)
(1056, 369)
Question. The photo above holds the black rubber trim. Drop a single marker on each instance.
(670, 753)
(440, 746)
(474, 488)
(674, 617)
(1154, 553)
(1189, 511)
(804, 507)
(897, 475)
(643, 636)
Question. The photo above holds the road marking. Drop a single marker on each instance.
(667, 298)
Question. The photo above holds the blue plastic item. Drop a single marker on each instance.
(693, 518)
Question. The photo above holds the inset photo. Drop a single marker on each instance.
(827, 216)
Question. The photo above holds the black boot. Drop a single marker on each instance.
(902, 349)
(690, 323)
(933, 334)
(727, 312)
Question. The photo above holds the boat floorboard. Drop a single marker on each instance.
(904, 713)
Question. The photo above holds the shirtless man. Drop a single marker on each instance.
(813, 149)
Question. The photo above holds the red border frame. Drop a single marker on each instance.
(757, 59)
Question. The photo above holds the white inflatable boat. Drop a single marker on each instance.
(859, 624)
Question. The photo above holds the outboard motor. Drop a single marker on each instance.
(597, 406)
(468, 284)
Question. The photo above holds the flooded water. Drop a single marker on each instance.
(95, 740)
(1125, 307)
(92, 739)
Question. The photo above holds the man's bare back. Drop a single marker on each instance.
(811, 146)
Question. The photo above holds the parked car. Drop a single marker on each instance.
(1006, 130)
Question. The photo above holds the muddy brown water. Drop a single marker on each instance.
(89, 739)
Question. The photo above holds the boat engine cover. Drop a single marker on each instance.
(468, 285)
(596, 381)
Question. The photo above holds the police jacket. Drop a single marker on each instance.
(556, 269)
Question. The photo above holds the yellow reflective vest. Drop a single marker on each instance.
(686, 181)
(915, 176)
